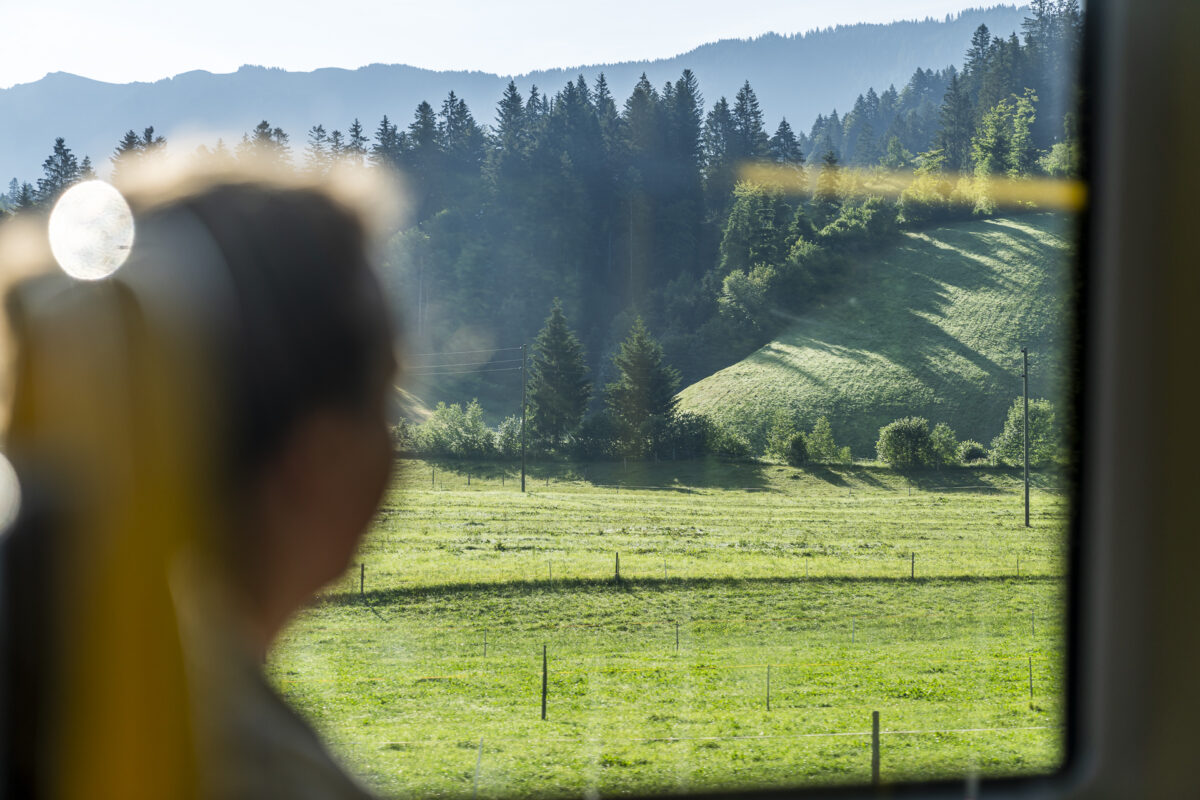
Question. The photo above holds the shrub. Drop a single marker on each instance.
(1045, 437)
(905, 443)
(797, 451)
(455, 432)
(970, 452)
(686, 436)
(595, 439)
(728, 444)
(402, 436)
(780, 434)
(508, 437)
(945, 445)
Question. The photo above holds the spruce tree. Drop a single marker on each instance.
(954, 138)
(642, 399)
(749, 134)
(827, 200)
(784, 147)
(356, 144)
(558, 387)
(61, 169)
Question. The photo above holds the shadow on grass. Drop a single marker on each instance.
(634, 585)
(683, 475)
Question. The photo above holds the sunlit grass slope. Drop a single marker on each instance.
(930, 327)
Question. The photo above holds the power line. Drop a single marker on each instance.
(464, 352)
(468, 363)
(466, 372)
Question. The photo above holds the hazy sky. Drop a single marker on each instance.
(150, 39)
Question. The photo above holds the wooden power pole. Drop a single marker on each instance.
(1025, 426)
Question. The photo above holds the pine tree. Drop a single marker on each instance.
(389, 146)
(14, 192)
(827, 199)
(750, 135)
(265, 144)
(61, 170)
(356, 144)
(337, 147)
(86, 172)
(642, 399)
(27, 199)
(558, 387)
(316, 155)
(954, 138)
(784, 147)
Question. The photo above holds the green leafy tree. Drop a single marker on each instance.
(905, 443)
(643, 395)
(558, 386)
(821, 445)
(944, 445)
(1045, 434)
(780, 433)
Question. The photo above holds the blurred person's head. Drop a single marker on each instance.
(304, 366)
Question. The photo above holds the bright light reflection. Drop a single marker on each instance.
(10, 493)
(91, 230)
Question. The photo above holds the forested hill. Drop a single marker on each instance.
(795, 76)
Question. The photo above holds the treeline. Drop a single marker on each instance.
(634, 208)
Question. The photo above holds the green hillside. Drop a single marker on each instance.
(931, 327)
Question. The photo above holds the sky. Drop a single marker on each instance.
(145, 40)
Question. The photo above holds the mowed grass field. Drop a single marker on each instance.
(932, 326)
(922, 598)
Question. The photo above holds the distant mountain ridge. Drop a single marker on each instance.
(795, 76)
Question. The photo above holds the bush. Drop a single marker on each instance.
(780, 433)
(685, 436)
(508, 437)
(970, 452)
(402, 436)
(728, 444)
(596, 438)
(1045, 437)
(797, 451)
(945, 446)
(454, 432)
(905, 443)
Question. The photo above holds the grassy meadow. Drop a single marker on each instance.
(924, 598)
(932, 327)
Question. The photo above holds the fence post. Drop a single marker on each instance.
(676, 636)
(478, 764)
(1031, 680)
(874, 748)
(362, 579)
(913, 568)
(768, 687)
(544, 681)
(618, 568)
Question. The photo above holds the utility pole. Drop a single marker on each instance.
(522, 418)
(1025, 428)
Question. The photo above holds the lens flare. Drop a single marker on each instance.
(10, 493)
(91, 230)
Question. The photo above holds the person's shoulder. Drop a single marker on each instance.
(268, 750)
